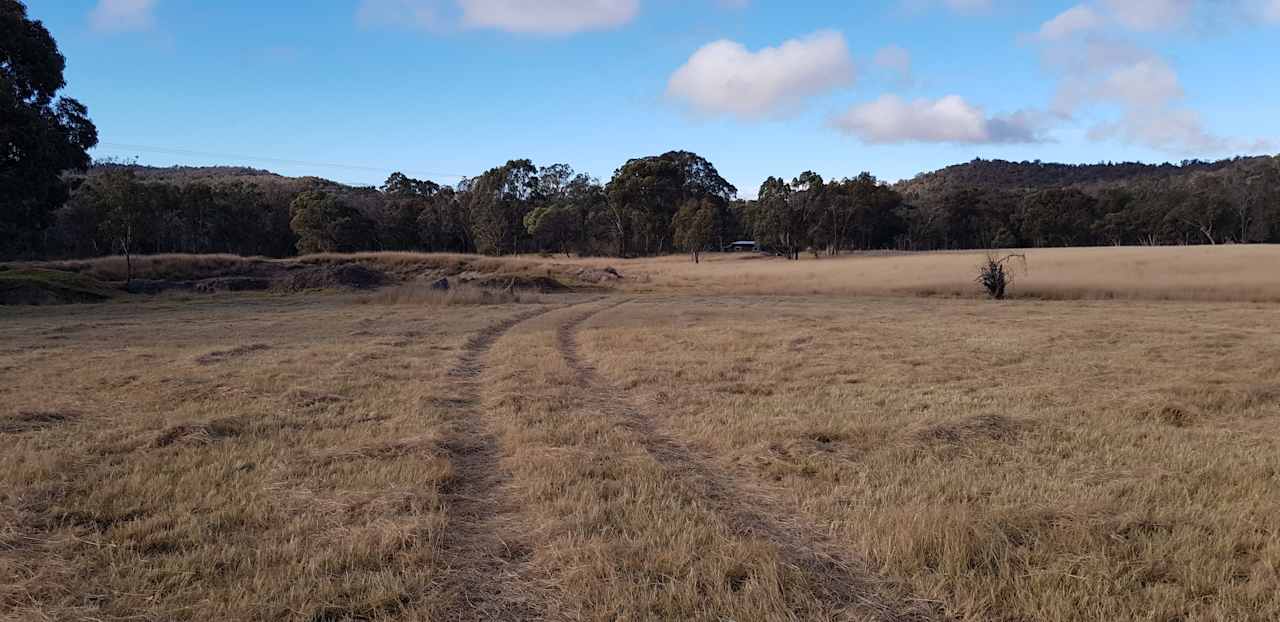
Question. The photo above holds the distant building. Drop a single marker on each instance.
(743, 246)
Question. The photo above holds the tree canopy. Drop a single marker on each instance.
(41, 133)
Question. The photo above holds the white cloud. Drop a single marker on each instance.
(122, 15)
(1150, 82)
(413, 14)
(1151, 15)
(895, 59)
(1176, 130)
(1271, 10)
(548, 17)
(961, 6)
(724, 77)
(891, 119)
(1096, 64)
(968, 5)
(1077, 19)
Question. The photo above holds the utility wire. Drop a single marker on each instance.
(206, 154)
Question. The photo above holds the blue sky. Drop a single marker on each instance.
(442, 88)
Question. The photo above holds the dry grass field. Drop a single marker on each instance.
(861, 438)
(1219, 273)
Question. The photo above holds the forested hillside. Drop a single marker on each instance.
(673, 202)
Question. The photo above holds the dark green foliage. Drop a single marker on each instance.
(325, 223)
(41, 135)
(696, 225)
(645, 194)
(496, 203)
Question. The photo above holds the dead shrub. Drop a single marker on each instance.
(1176, 416)
(199, 433)
(995, 276)
(973, 429)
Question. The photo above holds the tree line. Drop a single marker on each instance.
(674, 202)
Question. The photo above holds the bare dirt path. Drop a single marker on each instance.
(850, 590)
(484, 559)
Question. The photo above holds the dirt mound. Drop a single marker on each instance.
(31, 421)
(199, 433)
(158, 286)
(232, 284)
(35, 286)
(598, 275)
(540, 284)
(982, 427)
(218, 356)
(349, 276)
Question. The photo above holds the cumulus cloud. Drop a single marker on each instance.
(1150, 15)
(1271, 10)
(725, 78)
(896, 60)
(1150, 82)
(413, 14)
(960, 6)
(548, 17)
(968, 5)
(122, 15)
(1088, 47)
(1074, 20)
(1173, 130)
(891, 119)
(536, 17)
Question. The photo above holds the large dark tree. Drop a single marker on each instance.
(41, 134)
(496, 203)
(327, 224)
(645, 194)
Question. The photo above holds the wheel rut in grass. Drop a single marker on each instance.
(849, 589)
(483, 562)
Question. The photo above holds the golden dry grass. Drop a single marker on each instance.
(246, 458)
(1229, 273)
(1020, 461)
(1212, 273)
(682, 447)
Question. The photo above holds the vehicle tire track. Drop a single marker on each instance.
(483, 564)
(846, 585)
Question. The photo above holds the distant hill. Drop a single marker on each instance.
(1018, 176)
(218, 175)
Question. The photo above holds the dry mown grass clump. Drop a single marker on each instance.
(299, 479)
(1033, 496)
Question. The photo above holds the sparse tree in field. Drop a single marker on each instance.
(695, 225)
(326, 224)
(42, 135)
(122, 203)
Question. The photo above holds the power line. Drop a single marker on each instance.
(207, 154)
